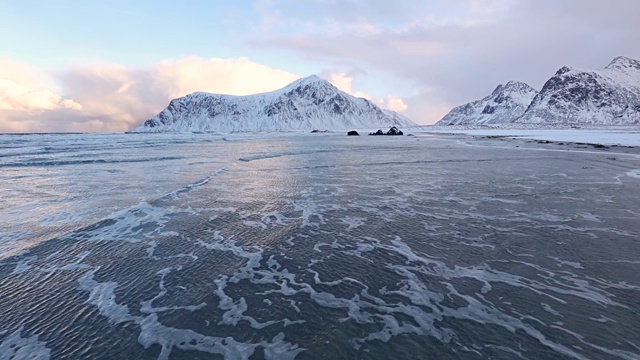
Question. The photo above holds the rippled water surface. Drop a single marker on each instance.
(199, 246)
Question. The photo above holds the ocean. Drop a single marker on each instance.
(316, 246)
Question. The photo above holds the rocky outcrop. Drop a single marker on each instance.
(392, 131)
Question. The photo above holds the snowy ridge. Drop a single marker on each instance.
(505, 104)
(609, 96)
(307, 103)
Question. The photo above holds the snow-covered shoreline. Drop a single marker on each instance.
(618, 135)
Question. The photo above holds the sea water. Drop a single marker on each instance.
(309, 246)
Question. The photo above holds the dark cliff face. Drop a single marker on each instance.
(578, 89)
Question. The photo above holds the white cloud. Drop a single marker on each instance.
(24, 88)
(239, 76)
(112, 97)
(396, 104)
(344, 82)
(458, 49)
(340, 80)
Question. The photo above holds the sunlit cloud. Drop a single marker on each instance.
(24, 88)
(344, 82)
(111, 97)
(225, 76)
(108, 97)
(458, 49)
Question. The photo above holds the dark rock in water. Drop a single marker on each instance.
(353, 133)
(394, 131)
(319, 131)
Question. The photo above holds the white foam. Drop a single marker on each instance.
(309, 210)
(573, 264)
(602, 319)
(353, 222)
(281, 350)
(153, 332)
(75, 265)
(590, 217)
(549, 309)
(147, 305)
(622, 354)
(16, 347)
(24, 264)
(634, 173)
(294, 305)
(103, 296)
(506, 349)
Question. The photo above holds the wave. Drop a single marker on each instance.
(47, 163)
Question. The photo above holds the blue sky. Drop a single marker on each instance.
(420, 57)
(135, 33)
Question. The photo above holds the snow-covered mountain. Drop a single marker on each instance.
(505, 104)
(609, 96)
(307, 103)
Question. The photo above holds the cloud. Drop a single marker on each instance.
(17, 96)
(344, 82)
(112, 97)
(458, 50)
(109, 97)
(226, 76)
(22, 88)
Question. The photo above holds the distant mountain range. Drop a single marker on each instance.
(609, 96)
(306, 104)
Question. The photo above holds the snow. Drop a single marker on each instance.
(609, 96)
(17, 347)
(505, 104)
(623, 136)
(306, 104)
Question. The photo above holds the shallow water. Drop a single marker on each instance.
(315, 246)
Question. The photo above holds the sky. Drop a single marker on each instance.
(107, 66)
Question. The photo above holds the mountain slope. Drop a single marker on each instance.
(609, 96)
(307, 103)
(505, 104)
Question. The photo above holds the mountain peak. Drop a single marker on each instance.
(563, 70)
(513, 86)
(505, 104)
(309, 80)
(307, 103)
(623, 62)
(604, 96)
